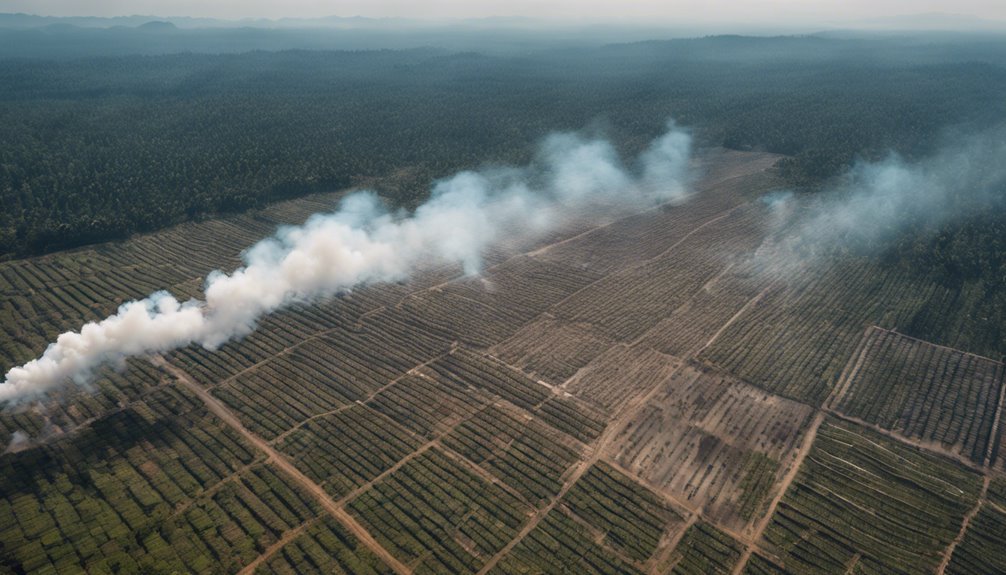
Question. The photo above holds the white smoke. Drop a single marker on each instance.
(876, 202)
(362, 243)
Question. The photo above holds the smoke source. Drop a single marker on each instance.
(362, 243)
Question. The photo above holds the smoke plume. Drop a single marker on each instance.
(362, 243)
(875, 203)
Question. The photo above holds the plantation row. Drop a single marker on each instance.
(632, 518)
(685, 330)
(926, 391)
(525, 285)
(344, 450)
(552, 350)
(110, 390)
(712, 441)
(621, 373)
(156, 488)
(560, 544)
(525, 454)
(862, 498)
(626, 304)
(324, 548)
(436, 515)
(315, 377)
(464, 368)
(981, 551)
(633, 240)
(796, 340)
(705, 550)
(426, 405)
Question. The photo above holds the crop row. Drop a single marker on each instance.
(70, 407)
(796, 340)
(981, 551)
(525, 285)
(527, 455)
(344, 450)
(639, 237)
(466, 368)
(437, 515)
(861, 498)
(551, 349)
(159, 485)
(712, 440)
(631, 517)
(686, 329)
(625, 305)
(621, 373)
(560, 544)
(426, 405)
(926, 391)
(324, 548)
(315, 377)
(705, 550)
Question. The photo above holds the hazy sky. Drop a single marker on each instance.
(651, 11)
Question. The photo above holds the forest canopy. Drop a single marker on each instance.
(99, 148)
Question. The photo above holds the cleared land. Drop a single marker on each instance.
(634, 396)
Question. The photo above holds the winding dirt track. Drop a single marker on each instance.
(280, 461)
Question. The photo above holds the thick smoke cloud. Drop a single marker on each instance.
(877, 202)
(363, 243)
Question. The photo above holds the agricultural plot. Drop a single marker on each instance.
(525, 454)
(633, 240)
(924, 391)
(865, 503)
(343, 450)
(713, 442)
(44, 296)
(552, 350)
(624, 515)
(704, 550)
(688, 328)
(323, 548)
(621, 373)
(161, 485)
(797, 339)
(425, 405)
(316, 376)
(626, 304)
(111, 390)
(981, 551)
(560, 544)
(437, 516)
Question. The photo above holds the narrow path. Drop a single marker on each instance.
(628, 411)
(272, 549)
(281, 462)
(794, 468)
(964, 527)
(666, 547)
(751, 303)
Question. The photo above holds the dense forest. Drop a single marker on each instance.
(99, 148)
